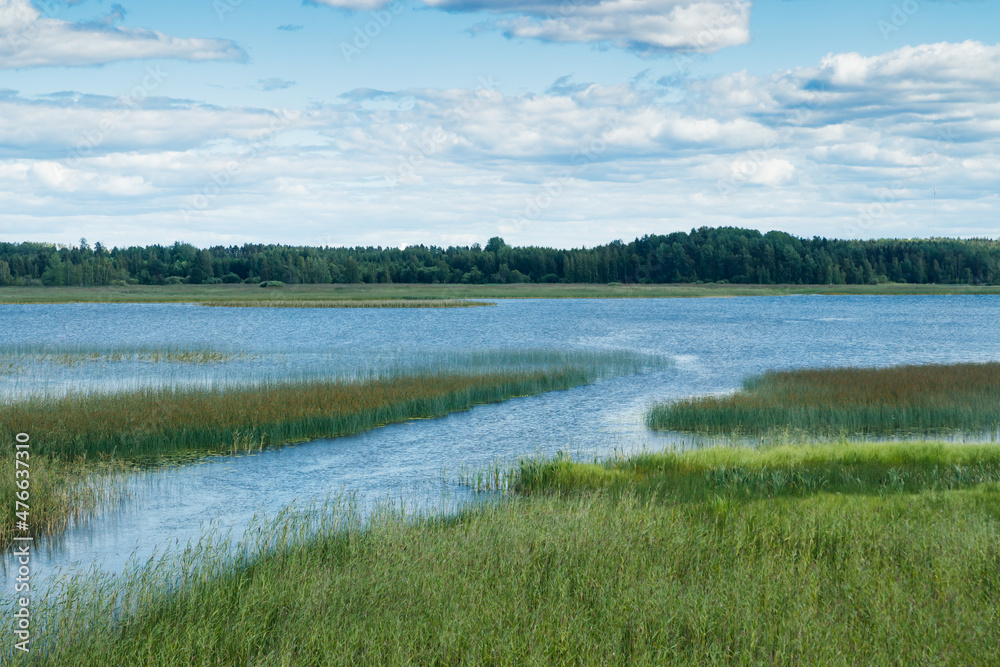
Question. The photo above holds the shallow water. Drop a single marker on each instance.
(713, 343)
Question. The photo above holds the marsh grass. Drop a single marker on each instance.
(916, 399)
(76, 437)
(390, 291)
(846, 466)
(351, 303)
(152, 422)
(16, 358)
(61, 493)
(668, 567)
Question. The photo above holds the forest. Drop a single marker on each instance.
(705, 255)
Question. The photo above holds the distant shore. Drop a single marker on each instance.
(427, 294)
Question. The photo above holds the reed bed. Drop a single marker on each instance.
(15, 356)
(153, 425)
(919, 399)
(667, 566)
(61, 493)
(155, 422)
(351, 303)
(845, 466)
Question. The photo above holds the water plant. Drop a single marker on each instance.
(15, 357)
(653, 559)
(832, 401)
(351, 303)
(61, 492)
(155, 424)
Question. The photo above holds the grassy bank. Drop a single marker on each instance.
(832, 401)
(208, 294)
(647, 560)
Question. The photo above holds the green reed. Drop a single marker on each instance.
(152, 425)
(853, 401)
(653, 559)
(157, 421)
(60, 493)
(15, 358)
(350, 303)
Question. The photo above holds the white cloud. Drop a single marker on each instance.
(57, 177)
(951, 65)
(415, 165)
(645, 25)
(29, 40)
(671, 25)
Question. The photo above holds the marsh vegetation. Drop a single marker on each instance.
(18, 358)
(656, 559)
(832, 551)
(389, 293)
(914, 399)
(78, 436)
(352, 303)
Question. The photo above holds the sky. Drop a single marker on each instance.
(562, 123)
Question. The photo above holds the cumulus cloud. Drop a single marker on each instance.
(644, 25)
(72, 126)
(952, 66)
(27, 39)
(852, 147)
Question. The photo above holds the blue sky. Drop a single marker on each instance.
(555, 122)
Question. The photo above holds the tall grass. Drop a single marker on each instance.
(159, 421)
(845, 467)
(669, 568)
(14, 357)
(384, 291)
(153, 424)
(61, 493)
(832, 401)
(350, 303)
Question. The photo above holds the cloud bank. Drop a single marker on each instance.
(649, 26)
(856, 144)
(28, 39)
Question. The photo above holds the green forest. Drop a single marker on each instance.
(705, 255)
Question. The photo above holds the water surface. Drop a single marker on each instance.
(714, 344)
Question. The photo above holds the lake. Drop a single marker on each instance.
(712, 343)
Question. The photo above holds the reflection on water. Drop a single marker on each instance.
(714, 344)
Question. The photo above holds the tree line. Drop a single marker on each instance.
(720, 255)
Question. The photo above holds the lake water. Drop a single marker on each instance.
(713, 343)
